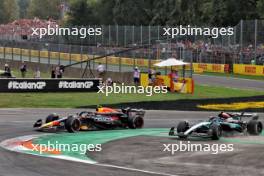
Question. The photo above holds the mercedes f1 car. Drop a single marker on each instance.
(103, 118)
(215, 126)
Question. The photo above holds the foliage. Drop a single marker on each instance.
(136, 12)
(44, 9)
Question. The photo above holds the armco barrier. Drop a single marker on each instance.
(256, 70)
(49, 85)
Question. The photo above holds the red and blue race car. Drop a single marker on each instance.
(102, 119)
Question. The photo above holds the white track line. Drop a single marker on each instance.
(6, 145)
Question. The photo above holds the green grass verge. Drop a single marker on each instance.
(232, 75)
(71, 100)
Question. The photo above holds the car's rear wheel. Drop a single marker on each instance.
(72, 124)
(51, 118)
(216, 131)
(254, 127)
(135, 122)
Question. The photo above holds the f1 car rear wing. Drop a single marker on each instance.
(254, 116)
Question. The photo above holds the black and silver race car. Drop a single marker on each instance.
(102, 119)
(216, 125)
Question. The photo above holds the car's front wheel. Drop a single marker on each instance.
(72, 124)
(216, 131)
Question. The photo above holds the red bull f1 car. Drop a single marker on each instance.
(217, 125)
(102, 119)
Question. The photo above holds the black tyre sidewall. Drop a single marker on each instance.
(253, 127)
(216, 131)
(70, 122)
(182, 127)
(132, 122)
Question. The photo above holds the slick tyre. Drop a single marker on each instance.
(254, 127)
(51, 118)
(182, 127)
(135, 122)
(216, 131)
(72, 124)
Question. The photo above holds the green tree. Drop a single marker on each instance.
(81, 13)
(2, 14)
(165, 12)
(23, 6)
(8, 10)
(44, 9)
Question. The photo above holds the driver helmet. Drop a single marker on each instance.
(224, 115)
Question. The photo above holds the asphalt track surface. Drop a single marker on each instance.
(238, 83)
(142, 153)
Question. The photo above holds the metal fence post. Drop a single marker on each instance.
(241, 41)
(106, 63)
(117, 35)
(59, 55)
(141, 39)
(20, 54)
(4, 53)
(158, 32)
(256, 30)
(120, 64)
(103, 29)
(12, 53)
(48, 53)
(70, 59)
(109, 35)
(29, 54)
(149, 50)
(133, 35)
(81, 56)
(124, 36)
(38, 55)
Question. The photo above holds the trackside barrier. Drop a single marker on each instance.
(184, 85)
(256, 70)
(49, 85)
(112, 60)
(205, 67)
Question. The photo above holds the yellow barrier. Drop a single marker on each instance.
(140, 62)
(16, 51)
(8, 50)
(188, 87)
(243, 69)
(44, 54)
(204, 67)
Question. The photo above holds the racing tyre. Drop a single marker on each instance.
(51, 118)
(216, 131)
(254, 127)
(135, 122)
(72, 124)
(182, 127)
